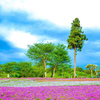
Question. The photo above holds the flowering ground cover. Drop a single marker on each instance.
(49, 89)
(54, 79)
(89, 92)
(27, 82)
(55, 83)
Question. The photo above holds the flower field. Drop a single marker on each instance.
(48, 89)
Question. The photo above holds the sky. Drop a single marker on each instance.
(25, 22)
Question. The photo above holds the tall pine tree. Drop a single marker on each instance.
(76, 39)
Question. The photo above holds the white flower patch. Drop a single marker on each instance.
(57, 83)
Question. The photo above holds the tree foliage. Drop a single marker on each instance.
(79, 68)
(27, 69)
(40, 51)
(59, 57)
(76, 39)
(9, 67)
(91, 67)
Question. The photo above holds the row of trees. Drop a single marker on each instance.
(49, 54)
(56, 56)
(15, 69)
(27, 69)
(42, 54)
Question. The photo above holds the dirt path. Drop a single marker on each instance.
(76, 79)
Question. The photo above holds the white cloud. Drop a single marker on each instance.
(21, 39)
(97, 43)
(95, 54)
(50, 40)
(17, 55)
(60, 12)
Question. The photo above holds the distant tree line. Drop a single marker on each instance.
(27, 69)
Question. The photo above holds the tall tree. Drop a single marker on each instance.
(40, 51)
(91, 67)
(59, 57)
(76, 39)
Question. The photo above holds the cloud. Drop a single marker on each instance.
(24, 22)
(13, 56)
(61, 12)
(18, 38)
(53, 41)
(21, 39)
(95, 54)
(97, 43)
(20, 31)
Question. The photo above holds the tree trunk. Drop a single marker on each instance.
(8, 75)
(96, 73)
(45, 67)
(62, 73)
(74, 62)
(53, 72)
(91, 73)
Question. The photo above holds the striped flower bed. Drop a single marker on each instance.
(47, 89)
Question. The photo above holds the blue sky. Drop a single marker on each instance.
(24, 22)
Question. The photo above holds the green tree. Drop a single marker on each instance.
(59, 57)
(40, 51)
(21, 69)
(76, 39)
(91, 67)
(79, 68)
(24, 69)
(1, 66)
(62, 70)
(38, 71)
(9, 67)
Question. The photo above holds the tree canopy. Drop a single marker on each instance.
(59, 57)
(40, 51)
(91, 67)
(76, 37)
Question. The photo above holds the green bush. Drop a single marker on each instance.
(15, 75)
(88, 76)
(3, 75)
(49, 74)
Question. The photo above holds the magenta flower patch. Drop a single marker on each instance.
(89, 92)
